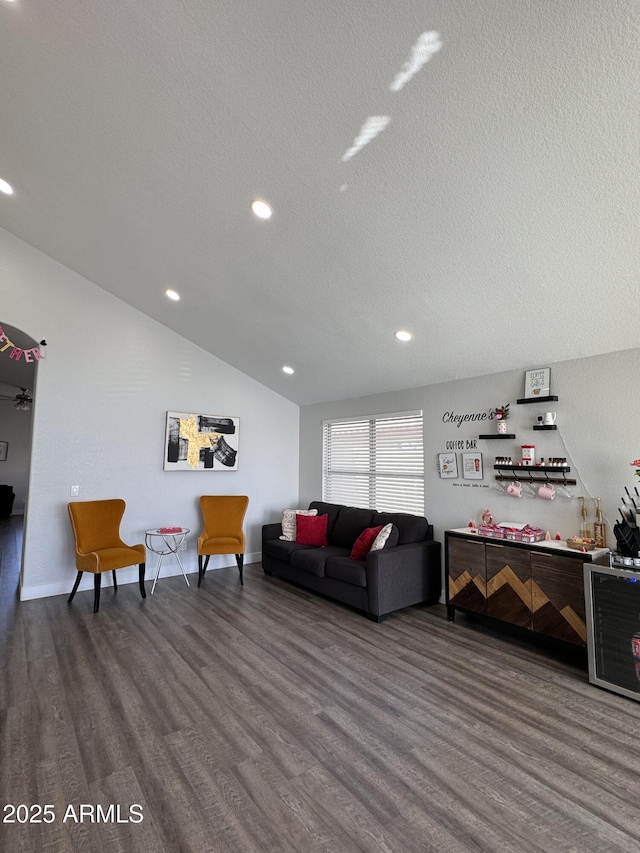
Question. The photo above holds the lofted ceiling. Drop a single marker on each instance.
(496, 215)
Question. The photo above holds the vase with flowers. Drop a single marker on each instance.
(636, 465)
(502, 415)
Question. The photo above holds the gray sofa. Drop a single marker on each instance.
(387, 580)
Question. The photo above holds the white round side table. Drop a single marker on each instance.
(164, 541)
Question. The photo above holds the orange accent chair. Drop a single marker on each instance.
(96, 528)
(223, 534)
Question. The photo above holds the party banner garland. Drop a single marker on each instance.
(17, 353)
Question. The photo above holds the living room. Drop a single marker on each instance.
(531, 261)
(120, 370)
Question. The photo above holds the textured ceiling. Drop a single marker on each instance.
(496, 216)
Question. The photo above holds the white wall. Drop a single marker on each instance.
(599, 433)
(110, 375)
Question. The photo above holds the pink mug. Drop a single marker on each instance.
(547, 492)
(515, 490)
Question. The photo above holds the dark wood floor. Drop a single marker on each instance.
(266, 719)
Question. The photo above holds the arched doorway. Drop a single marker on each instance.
(17, 392)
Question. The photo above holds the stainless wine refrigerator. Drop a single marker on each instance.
(612, 597)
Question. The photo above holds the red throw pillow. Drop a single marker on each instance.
(363, 543)
(311, 529)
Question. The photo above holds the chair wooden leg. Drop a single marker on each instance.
(75, 587)
(115, 582)
(141, 576)
(97, 583)
(240, 562)
(202, 569)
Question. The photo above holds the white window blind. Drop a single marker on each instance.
(375, 462)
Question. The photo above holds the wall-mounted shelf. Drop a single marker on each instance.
(543, 426)
(545, 469)
(550, 399)
(498, 435)
(527, 472)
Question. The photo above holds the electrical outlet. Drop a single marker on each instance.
(75, 491)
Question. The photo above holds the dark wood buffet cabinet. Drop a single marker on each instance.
(538, 586)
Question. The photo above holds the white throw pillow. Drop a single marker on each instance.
(381, 539)
(289, 522)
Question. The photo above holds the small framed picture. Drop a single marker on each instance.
(472, 466)
(447, 465)
(4, 450)
(537, 383)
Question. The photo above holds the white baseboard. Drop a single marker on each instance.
(170, 568)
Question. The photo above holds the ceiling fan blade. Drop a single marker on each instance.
(22, 397)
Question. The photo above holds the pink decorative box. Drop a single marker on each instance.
(491, 530)
(527, 534)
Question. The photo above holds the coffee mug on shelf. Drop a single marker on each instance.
(547, 492)
(515, 489)
(549, 418)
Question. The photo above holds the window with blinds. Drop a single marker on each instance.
(376, 462)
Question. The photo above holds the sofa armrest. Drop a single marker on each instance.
(403, 575)
(271, 531)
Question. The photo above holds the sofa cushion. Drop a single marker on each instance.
(363, 543)
(282, 550)
(387, 538)
(314, 560)
(289, 522)
(411, 528)
(330, 510)
(349, 525)
(311, 529)
(347, 570)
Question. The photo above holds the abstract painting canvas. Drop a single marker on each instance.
(201, 442)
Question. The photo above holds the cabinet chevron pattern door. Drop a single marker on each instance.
(525, 603)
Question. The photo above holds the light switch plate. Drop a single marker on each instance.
(75, 491)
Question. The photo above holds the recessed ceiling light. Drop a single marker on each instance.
(261, 208)
(403, 335)
(287, 369)
(5, 187)
(173, 295)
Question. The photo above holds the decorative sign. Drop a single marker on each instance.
(447, 465)
(472, 466)
(16, 352)
(459, 419)
(537, 383)
(462, 444)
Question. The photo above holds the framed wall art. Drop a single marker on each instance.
(201, 442)
(4, 450)
(537, 383)
(447, 466)
(472, 466)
